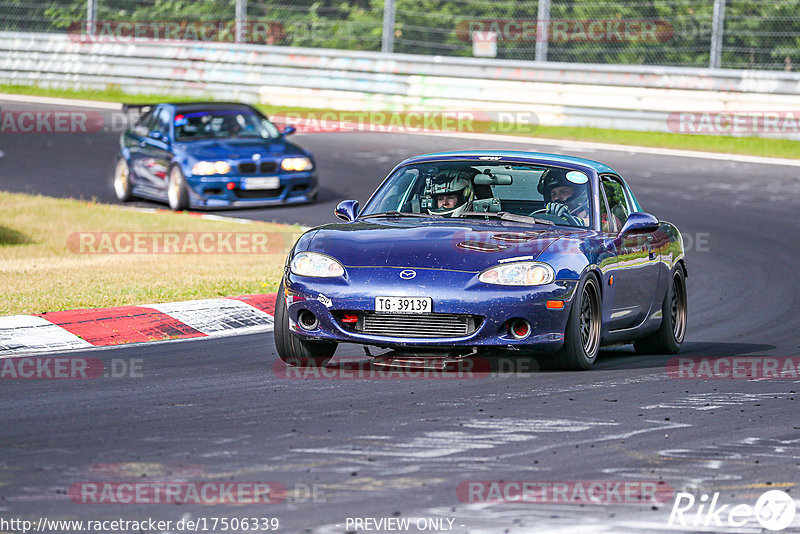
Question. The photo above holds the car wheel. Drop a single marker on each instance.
(177, 190)
(582, 335)
(123, 188)
(293, 350)
(670, 335)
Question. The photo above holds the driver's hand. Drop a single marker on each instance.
(558, 209)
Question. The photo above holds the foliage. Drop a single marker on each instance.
(757, 33)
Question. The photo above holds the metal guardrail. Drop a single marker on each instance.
(603, 96)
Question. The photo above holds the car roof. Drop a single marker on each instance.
(187, 107)
(516, 155)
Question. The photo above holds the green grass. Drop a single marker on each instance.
(110, 94)
(755, 146)
(43, 266)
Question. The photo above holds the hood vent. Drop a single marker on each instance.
(516, 237)
(480, 246)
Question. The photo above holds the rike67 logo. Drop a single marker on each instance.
(774, 510)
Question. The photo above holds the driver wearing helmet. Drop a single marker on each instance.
(452, 193)
(565, 198)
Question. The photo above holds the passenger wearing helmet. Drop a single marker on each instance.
(566, 198)
(452, 193)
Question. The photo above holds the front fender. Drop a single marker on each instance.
(571, 257)
(670, 245)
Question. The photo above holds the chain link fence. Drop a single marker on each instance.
(740, 34)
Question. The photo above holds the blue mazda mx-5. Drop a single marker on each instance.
(460, 253)
(211, 155)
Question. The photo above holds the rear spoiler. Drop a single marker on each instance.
(141, 108)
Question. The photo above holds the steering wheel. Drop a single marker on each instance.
(570, 219)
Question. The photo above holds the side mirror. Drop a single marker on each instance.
(347, 210)
(158, 136)
(289, 130)
(639, 222)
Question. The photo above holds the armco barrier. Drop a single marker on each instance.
(603, 96)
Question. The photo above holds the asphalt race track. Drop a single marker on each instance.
(216, 410)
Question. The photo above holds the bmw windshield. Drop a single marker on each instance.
(469, 189)
(223, 124)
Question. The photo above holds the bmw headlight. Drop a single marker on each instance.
(297, 164)
(520, 273)
(207, 168)
(315, 264)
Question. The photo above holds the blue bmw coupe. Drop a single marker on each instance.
(208, 155)
(494, 252)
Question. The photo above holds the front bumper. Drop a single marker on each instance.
(212, 192)
(452, 292)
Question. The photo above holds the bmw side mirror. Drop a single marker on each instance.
(639, 222)
(289, 130)
(347, 210)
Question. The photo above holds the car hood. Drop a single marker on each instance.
(240, 148)
(464, 245)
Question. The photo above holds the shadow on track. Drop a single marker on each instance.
(626, 358)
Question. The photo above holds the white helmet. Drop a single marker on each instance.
(452, 182)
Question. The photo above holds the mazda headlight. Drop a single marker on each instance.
(315, 264)
(207, 168)
(297, 164)
(521, 273)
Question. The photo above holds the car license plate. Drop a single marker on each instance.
(261, 182)
(403, 304)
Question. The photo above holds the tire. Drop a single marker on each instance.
(582, 334)
(293, 350)
(177, 190)
(123, 189)
(670, 335)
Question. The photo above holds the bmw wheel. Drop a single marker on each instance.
(177, 190)
(293, 350)
(669, 337)
(582, 335)
(122, 181)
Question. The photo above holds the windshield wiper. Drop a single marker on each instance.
(505, 216)
(393, 213)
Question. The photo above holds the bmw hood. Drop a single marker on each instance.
(241, 149)
(464, 245)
